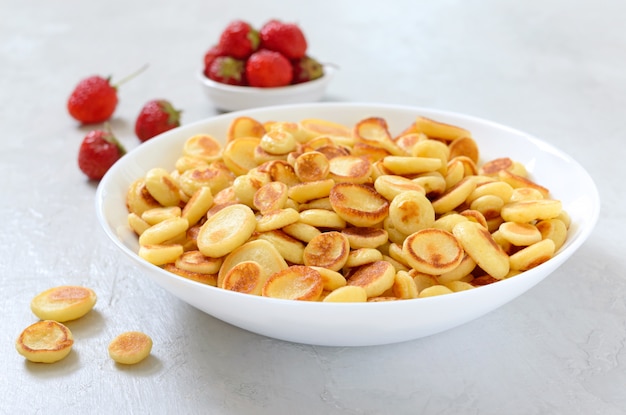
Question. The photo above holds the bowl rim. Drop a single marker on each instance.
(329, 72)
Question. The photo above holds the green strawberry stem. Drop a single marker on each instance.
(110, 137)
(131, 76)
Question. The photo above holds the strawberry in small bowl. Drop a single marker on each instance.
(250, 68)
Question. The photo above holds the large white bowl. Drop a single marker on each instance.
(233, 98)
(355, 324)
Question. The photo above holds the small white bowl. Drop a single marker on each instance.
(233, 98)
(354, 324)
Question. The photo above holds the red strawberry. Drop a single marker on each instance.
(213, 53)
(98, 152)
(239, 40)
(306, 69)
(267, 68)
(93, 100)
(227, 70)
(286, 38)
(156, 117)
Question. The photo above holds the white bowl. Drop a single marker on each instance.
(234, 98)
(356, 324)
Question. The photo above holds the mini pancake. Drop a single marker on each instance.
(281, 171)
(238, 154)
(137, 224)
(488, 205)
(389, 186)
(347, 294)
(554, 229)
(329, 250)
(493, 167)
(139, 199)
(458, 286)
(525, 193)
(198, 205)
(246, 277)
(484, 250)
(244, 127)
(163, 231)
(363, 237)
(433, 183)
(432, 251)
(159, 214)
(246, 186)
(184, 163)
(304, 192)
(130, 347)
(532, 255)
(301, 231)
(435, 290)
(375, 278)
(432, 149)
(520, 234)
(322, 218)
(45, 341)
(277, 219)
(208, 279)
(454, 196)
(226, 230)
(311, 166)
(358, 204)
(160, 254)
(474, 216)
(298, 282)
(314, 127)
(331, 151)
(162, 187)
(271, 196)
(352, 169)
(531, 210)
(496, 188)
(203, 146)
(278, 141)
(216, 176)
(369, 152)
(362, 256)
(291, 249)
(464, 146)
(518, 181)
(411, 211)
(63, 303)
(196, 261)
(407, 165)
(404, 286)
(332, 280)
(375, 132)
(436, 129)
(260, 251)
(466, 266)
(407, 141)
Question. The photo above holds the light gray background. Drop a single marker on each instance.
(555, 69)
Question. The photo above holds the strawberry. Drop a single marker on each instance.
(239, 40)
(267, 68)
(227, 70)
(93, 100)
(156, 117)
(306, 69)
(214, 52)
(286, 38)
(98, 152)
